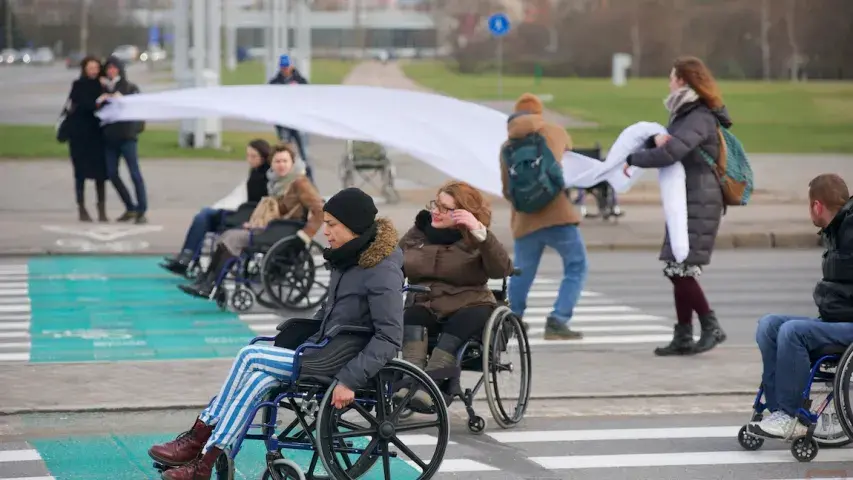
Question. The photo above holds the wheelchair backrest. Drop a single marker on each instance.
(367, 150)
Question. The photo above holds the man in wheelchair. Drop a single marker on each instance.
(291, 196)
(366, 280)
(789, 344)
(450, 250)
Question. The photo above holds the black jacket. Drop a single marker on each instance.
(122, 131)
(833, 295)
(693, 127)
(295, 77)
(256, 185)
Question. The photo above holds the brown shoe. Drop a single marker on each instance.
(183, 449)
(199, 469)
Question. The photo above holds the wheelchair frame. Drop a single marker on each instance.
(308, 391)
(605, 196)
(351, 166)
(480, 352)
(805, 448)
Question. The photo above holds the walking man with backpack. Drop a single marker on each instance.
(542, 214)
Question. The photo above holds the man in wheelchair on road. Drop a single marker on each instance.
(788, 344)
(450, 250)
(290, 196)
(366, 278)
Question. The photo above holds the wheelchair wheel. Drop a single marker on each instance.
(283, 469)
(841, 390)
(503, 335)
(290, 281)
(376, 432)
(828, 431)
(223, 469)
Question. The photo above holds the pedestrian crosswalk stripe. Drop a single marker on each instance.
(18, 334)
(615, 434)
(19, 455)
(576, 462)
(13, 269)
(459, 465)
(16, 308)
(23, 326)
(604, 340)
(614, 329)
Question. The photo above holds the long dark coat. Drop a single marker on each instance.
(692, 127)
(85, 138)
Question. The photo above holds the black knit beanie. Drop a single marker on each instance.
(353, 208)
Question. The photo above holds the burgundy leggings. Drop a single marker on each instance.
(689, 298)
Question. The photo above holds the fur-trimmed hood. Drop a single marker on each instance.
(382, 246)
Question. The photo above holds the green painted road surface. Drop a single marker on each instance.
(125, 457)
(83, 309)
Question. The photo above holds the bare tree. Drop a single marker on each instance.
(792, 40)
(636, 40)
(765, 39)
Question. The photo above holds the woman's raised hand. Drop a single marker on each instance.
(466, 219)
(661, 139)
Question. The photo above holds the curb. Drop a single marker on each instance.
(196, 406)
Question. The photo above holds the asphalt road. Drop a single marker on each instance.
(683, 447)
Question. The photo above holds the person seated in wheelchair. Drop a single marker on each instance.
(210, 219)
(450, 250)
(367, 273)
(290, 196)
(789, 344)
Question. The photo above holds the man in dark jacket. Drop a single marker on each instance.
(789, 343)
(289, 75)
(121, 141)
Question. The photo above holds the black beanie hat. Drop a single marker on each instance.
(353, 208)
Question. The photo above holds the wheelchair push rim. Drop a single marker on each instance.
(504, 332)
(383, 425)
(842, 389)
(293, 285)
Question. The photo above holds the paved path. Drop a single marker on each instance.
(116, 315)
(701, 447)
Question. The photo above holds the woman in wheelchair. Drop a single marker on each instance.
(366, 277)
(210, 219)
(451, 251)
(291, 196)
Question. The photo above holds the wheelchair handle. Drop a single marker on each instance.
(416, 289)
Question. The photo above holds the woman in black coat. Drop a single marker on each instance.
(696, 113)
(85, 140)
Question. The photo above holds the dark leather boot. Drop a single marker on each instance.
(443, 356)
(184, 449)
(199, 469)
(414, 352)
(681, 344)
(712, 334)
(205, 284)
(82, 213)
(102, 213)
(180, 263)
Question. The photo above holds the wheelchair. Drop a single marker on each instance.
(370, 162)
(347, 443)
(483, 355)
(605, 195)
(824, 366)
(268, 273)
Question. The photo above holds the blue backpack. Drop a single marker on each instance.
(535, 176)
(733, 170)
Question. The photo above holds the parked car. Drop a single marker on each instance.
(73, 59)
(42, 56)
(154, 54)
(25, 55)
(126, 53)
(8, 56)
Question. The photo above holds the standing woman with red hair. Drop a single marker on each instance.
(696, 113)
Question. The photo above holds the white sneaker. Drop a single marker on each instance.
(778, 425)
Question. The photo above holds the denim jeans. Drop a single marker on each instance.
(128, 150)
(567, 241)
(286, 135)
(206, 220)
(788, 345)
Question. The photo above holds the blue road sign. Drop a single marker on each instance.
(499, 24)
(153, 35)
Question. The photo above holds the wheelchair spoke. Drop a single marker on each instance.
(405, 401)
(408, 452)
(354, 433)
(386, 460)
(381, 404)
(408, 427)
(364, 413)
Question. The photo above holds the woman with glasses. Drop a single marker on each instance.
(450, 250)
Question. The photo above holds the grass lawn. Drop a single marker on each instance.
(32, 142)
(777, 117)
(323, 71)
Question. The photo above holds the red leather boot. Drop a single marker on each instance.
(183, 449)
(199, 469)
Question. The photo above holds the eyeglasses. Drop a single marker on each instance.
(433, 205)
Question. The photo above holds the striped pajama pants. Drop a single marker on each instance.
(256, 370)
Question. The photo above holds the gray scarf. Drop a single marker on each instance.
(676, 99)
(277, 185)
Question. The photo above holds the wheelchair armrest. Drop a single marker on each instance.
(296, 322)
(280, 222)
(356, 329)
(416, 289)
(294, 332)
